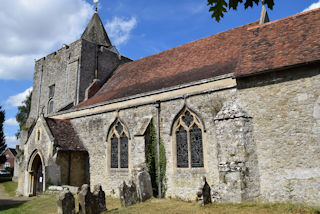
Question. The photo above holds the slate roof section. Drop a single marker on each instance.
(95, 32)
(282, 43)
(202, 59)
(65, 136)
(246, 50)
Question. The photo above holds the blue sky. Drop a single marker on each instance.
(31, 29)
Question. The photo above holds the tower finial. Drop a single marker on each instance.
(96, 2)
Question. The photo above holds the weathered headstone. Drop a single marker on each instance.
(128, 194)
(204, 192)
(100, 199)
(144, 186)
(66, 203)
(85, 198)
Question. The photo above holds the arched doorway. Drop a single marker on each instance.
(36, 176)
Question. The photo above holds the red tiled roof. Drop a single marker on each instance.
(245, 50)
(286, 42)
(65, 136)
(205, 58)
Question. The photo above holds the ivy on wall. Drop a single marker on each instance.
(152, 160)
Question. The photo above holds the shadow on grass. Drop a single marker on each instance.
(10, 204)
(5, 179)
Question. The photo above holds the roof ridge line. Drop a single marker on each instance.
(284, 18)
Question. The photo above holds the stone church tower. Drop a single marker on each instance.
(61, 78)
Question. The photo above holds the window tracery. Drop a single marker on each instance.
(189, 145)
(119, 146)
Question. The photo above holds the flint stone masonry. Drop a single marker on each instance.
(286, 133)
(180, 183)
(66, 203)
(238, 172)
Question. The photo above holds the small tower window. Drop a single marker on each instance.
(51, 90)
(50, 107)
(38, 135)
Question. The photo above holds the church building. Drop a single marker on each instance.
(241, 107)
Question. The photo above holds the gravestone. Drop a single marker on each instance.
(66, 203)
(144, 186)
(128, 194)
(100, 199)
(86, 199)
(204, 192)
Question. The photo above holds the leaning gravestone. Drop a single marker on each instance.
(128, 194)
(85, 198)
(66, 203)
(144, 186)
(99, 198)
(204, 192)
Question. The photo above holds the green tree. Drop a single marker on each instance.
(219, 7)
(23, 114)
(3, 144)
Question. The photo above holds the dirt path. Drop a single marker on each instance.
(5, 199)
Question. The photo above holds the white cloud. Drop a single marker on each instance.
(313, 6)
(11, 141)
(119, 29)
(34, 28)
(16, 100)
(11, 122)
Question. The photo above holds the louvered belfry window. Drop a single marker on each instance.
(119, 147)
(189, 144)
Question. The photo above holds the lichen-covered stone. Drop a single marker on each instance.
(144, 186)
(128, 194)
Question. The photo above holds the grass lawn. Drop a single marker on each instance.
(9, 187)
(48, 204)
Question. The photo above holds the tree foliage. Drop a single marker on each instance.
(23, 114)
(3, 144)
(219, 7)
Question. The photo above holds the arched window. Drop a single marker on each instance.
(50, 106)
(118, 146)
(188, 136)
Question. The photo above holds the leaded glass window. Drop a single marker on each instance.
(189, 146)
(119, 147)
(182, 148)
(114, 152)
(196, 147)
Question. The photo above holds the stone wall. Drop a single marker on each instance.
(182, 183)
(284, 106)
(91, 54)
(59, 68)
(71, 69)
(44, 147)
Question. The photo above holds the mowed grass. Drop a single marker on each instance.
(9, 187)
(48, 204)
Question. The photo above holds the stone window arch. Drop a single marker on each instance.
(118, 140)
(50, 106)
(188, 140)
